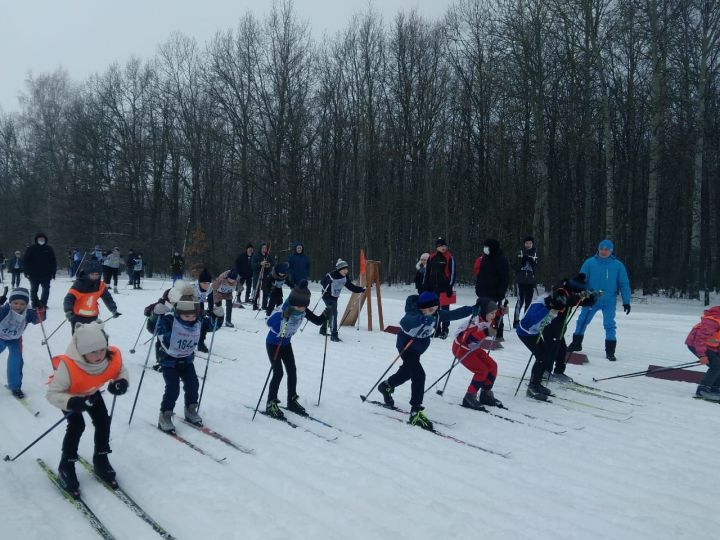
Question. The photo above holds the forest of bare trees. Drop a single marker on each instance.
(571, 120)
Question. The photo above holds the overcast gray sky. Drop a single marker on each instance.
(86, 36)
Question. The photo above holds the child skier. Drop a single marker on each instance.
(14, 317)
(203, 292)
(332, 285)
(704, 342)
(541, 332)
(273, 284)
(467, 348)
(81, 301)
(223, 288)
(88, 363)
(111, 267)
(283, 325)
(179, 333)
(417, 327)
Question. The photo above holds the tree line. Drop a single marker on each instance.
(570, 120)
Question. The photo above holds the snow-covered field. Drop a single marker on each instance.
(641, 467)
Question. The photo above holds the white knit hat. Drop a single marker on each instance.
(90, 337)
(340, 264)
(181, 288)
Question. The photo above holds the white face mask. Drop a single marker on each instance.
(41, 242)
(486, 250)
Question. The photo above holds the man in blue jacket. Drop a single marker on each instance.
(606, 273)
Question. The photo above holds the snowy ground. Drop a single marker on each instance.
(641, 468)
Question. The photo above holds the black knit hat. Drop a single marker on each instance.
(528, 239)
(440, 242)
(300, 295)
(204, 276)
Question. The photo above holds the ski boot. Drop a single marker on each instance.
(707, 393)
(386, 390)
(273, 410)
(560, 378)
(202, 347)
(192, 416)
(102, 467)
(323, 329)
(165, 422)
(576, 344)
(115, 290)
(470, 401)
(229, 324)
(610, 350)
(68, 478)
(488, 398)
(418, 418)
(294, 406)
(18, 393)
(334, 337)
(537, 391)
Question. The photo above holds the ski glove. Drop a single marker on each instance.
(703, 360)
(118, 387)
(160, 308)
(626, 307)
(69, 315)
(218, 311)
(79, 404)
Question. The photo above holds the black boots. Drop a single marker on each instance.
(103, 469)
(610, 350)
(67, 476)
(386, 390)
(576, 344)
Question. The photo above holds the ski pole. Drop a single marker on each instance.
(207, 363)
(645, 372)
(455, 362)
(42, 328)
(359, 310)
(142, 375)
(53, 332)
(56, 424)
(275, 359)
(315, 306)
(364, 398)
(322, 373)
(132, 351)
(112, 409)
(441, 392)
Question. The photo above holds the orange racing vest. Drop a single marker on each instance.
(82, 382)
(86, 304)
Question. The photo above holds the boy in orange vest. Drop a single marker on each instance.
(704, 342)
(81, 301)
(88, 363)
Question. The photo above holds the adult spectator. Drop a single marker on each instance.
(440, 279)
(492, 275)
(607, 274)
(40, 267)
(299, 265)
(262, 262)
(525, 269)
(177, 266)
(243, 265)
(15, 267)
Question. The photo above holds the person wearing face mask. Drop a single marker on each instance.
(492, 275)
(604, 273)
(40, 266)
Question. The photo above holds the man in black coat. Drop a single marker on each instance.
(40, 266)
(492, 273)
(243, 265)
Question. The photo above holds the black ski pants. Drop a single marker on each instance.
(76, 425)
(284, 357)
(546, 352)
(413, 371)
(525, 296)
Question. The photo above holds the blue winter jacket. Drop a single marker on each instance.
(415, 325)
(608, 275)
(276, 322)
(299, 264)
